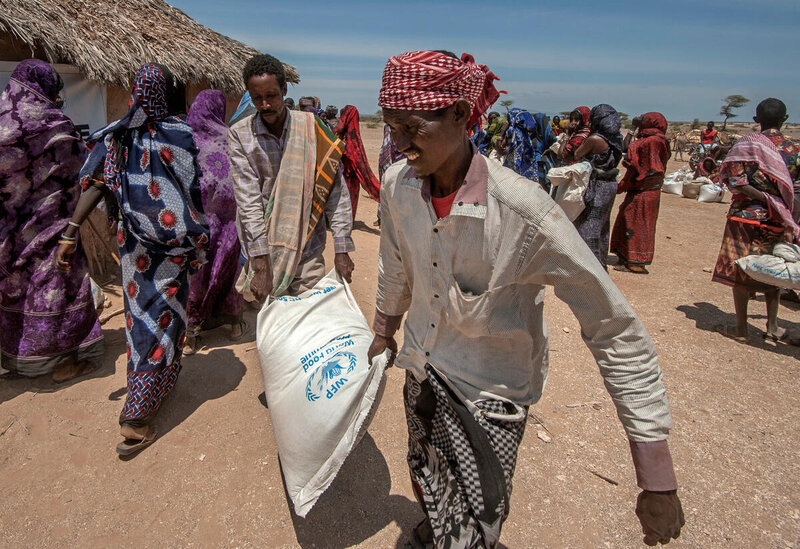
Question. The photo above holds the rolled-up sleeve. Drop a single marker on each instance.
(393, 296)
(339, 213)
(249, 203)
(619, 342)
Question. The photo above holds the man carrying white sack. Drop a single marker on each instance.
(288, 188)
(467, 247)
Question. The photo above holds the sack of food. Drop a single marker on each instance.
(786, 251)
(691, 189)
(319, 385)
(571, 182)
(772, 270)
(672, 186)
(710, 193)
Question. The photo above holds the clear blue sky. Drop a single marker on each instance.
(680, 57)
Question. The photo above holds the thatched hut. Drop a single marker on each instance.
(97, 47)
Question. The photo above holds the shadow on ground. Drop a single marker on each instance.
(204, 377)
(708, 316)
(12, 386)
(361, 226)
(357, 505)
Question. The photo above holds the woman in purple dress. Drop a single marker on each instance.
(213, 299)
(48, 321)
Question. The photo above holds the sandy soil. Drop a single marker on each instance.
(212, 479)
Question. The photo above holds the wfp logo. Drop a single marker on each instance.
(329, 376)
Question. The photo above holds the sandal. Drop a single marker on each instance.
(62, 374)
(625, 268)
(726, 331)
(776, 337)
(132, 442)
(242, 330)
(191, 346)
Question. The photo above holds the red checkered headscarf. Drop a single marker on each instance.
(428, 80)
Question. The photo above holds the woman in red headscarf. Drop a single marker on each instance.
(633, 238)
(357, 172)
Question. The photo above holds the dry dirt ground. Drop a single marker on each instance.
(212, 478)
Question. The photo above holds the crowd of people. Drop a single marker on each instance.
(211, 214)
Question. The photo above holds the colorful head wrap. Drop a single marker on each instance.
(584, 113)
(429, 80)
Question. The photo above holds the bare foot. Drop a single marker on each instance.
(731, 333)
(779, 334)
(71, 371)
(191, 345)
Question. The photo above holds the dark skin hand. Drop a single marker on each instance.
(661, 516)
(86, 203)
(344, 266)
(380, 344)
(261, 285)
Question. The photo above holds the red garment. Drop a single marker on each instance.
(577, 138)
(357, 172)
(443, 205)
(701, 171)
(634, 236)
(428, 80)
(708, 136)
(648, 155)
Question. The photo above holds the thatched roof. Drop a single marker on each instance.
(108, 40)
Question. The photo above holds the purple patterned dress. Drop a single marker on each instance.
(147, 160)
(47, 318)
(213, 299)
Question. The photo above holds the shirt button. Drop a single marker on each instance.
(434, 264)
(460, 203)
(436, 296)
(476, 204)
(436, 230)
(427, 353)
(433, 325)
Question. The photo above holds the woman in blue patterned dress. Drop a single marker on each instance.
(147, 160)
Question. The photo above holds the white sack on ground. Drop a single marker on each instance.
(318, 383)
(772, 270)
(672, 187)
(673, 182)
(710, 192)
(571, 182)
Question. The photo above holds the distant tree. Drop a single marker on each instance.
(623, 116)
(379, 114)
(565, 114)
(696, 124)
(731, 102)
(507, 104)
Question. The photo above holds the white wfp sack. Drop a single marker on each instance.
(319, 386)
(672, 186)
(673, 182)
(781, 269)
(710, 193)
(571, 182)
